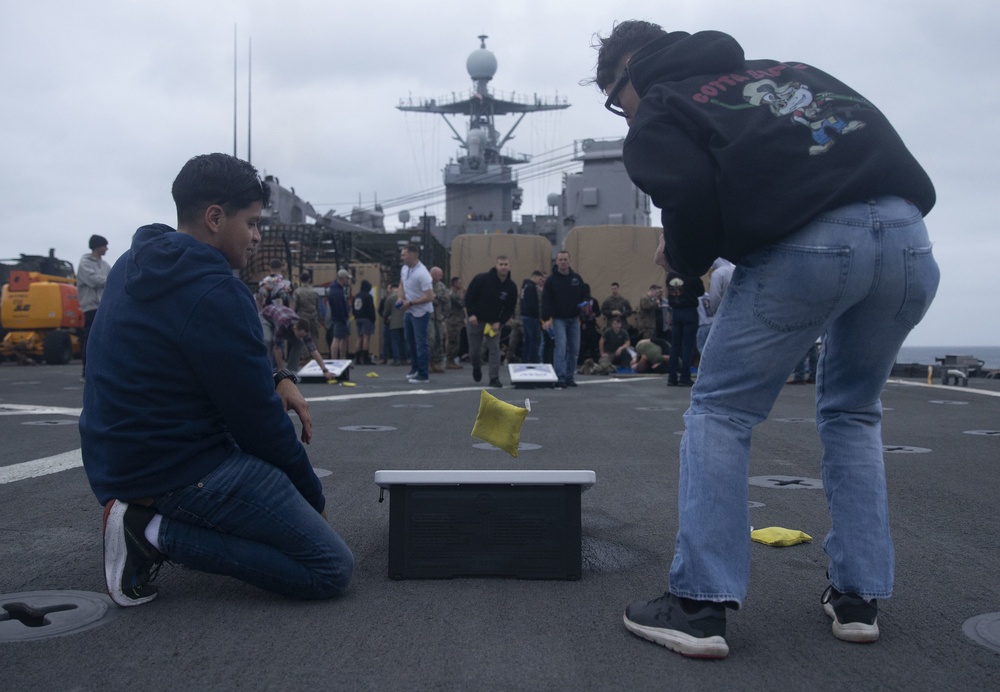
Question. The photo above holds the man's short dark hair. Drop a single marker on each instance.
(626, 37)
(219, 179)
(455, 280)
(413, 249)
(537, 273)
(275, 264)
(615, 284)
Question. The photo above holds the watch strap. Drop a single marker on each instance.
(285, 374)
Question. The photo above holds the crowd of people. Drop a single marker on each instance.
(433, 326)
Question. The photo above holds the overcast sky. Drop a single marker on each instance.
(104, 101)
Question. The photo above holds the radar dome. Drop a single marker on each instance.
(554, 199)
(481, 63)
(404, 217)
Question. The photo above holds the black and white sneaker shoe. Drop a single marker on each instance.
(691, 628)
(477, 373)
(131, 563)
(854, 618)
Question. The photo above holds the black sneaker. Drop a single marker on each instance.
(477, 373)
(691, 628)
(854, 618)
(570, 383)
(130, 561)
(495, 382)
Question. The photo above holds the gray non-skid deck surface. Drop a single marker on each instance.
(208, 632)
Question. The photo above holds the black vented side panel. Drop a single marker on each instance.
(524, 531)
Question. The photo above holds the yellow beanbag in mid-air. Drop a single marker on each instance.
(499, 423)
(779, 537)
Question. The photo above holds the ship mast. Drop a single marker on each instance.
(480, 187)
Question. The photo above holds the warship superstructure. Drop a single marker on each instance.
(481, 186)
(482, 193)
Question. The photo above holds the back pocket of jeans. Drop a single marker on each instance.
(800, 286)
(922, 278)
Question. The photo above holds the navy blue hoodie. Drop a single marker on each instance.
(178, 375)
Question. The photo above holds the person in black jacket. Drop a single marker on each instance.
(682, 295)
(531, 304)
(805, 186)
(562, 297)
(490, 300)
(363, 309)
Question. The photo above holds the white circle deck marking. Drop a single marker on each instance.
(903, 449)
(984, 629)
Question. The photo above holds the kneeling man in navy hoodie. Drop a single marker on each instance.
(186, 440)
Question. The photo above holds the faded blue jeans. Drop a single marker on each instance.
(864, 276)
(417, 344)
(247, 520)
(566, 335)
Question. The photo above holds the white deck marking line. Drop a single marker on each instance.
(28, 410)
(41, 467)
(948, 387)
(410, 392)
(74, 459)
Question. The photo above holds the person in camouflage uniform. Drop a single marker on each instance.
(455, 323)
(436, 328)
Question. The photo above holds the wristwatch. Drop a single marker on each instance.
(285, 374)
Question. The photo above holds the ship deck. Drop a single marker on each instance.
(211, 632)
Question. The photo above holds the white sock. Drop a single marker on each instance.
(152, 531)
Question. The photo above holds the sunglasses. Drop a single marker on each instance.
(612, 103)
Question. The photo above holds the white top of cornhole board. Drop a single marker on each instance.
(337, 367)
(585, 479)
(525, 373)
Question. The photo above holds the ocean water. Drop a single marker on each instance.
(926, 354)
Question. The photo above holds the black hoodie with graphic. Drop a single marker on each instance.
(740, 153)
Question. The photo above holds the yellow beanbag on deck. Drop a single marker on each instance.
(779, 537)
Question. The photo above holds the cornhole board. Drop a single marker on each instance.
(341, 370)
(447, 524)
(526, 375)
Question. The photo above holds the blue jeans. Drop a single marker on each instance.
(567, 347)
(864, 275)
(246, 520)
(532, 345)
(683, 334)
(416, 343)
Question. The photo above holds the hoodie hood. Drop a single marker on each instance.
(679, 55)
(161, 260)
